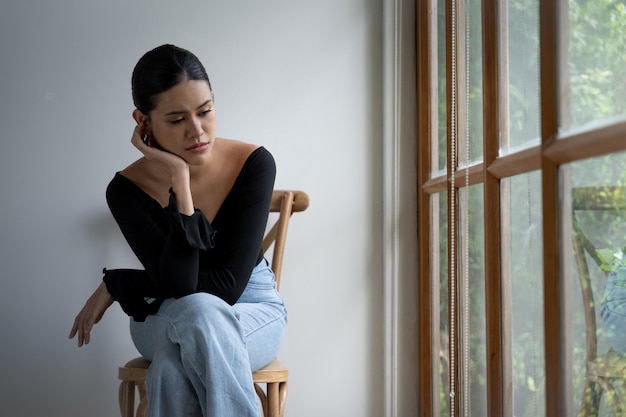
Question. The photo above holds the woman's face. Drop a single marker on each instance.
(183, 121)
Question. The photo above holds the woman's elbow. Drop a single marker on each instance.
(177, 287)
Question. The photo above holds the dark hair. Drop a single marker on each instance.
(161, 69)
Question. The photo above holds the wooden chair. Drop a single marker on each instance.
(607, 371)
(274, 375)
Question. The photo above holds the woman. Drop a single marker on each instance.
(193, 209)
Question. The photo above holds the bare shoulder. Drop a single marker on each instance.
(135, 171)
(237, 146)
(236, 150)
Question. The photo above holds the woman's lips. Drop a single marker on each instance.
(198, 147)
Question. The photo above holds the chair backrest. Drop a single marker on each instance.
(285, 203)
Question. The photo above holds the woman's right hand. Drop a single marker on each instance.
(173, 164)
(91, 314)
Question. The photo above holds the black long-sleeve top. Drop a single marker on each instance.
(187, 254)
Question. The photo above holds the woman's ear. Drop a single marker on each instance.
(142, 119)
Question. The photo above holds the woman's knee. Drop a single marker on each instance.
(198, 304)
(202, 315)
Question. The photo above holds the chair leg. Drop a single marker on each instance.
(127, 398)
(273, 399)
(282, 393)
(273, 403)
(261, 394)
(142, 408)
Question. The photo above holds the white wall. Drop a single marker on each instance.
(303, 78)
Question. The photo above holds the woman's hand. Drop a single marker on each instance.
(91, 314)
(173, 164)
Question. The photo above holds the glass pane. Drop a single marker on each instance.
(596, 218)
(474, 78)
(523, 75)
(596, 63)
(441, 128)
(471, 305)
(523, 289)
(440, 207)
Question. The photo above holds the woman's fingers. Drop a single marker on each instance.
(137, 139)
(90, 314)
(83, 324)
(74, 330)
(152, 151)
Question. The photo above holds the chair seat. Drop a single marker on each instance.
(273, 372)
(135, 370)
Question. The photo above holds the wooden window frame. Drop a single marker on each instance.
(556, 148)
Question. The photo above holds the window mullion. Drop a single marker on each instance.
(497, 367)
(553, 312)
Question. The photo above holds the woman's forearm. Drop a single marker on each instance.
(182, 193)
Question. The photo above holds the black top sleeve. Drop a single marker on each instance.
(186, 254)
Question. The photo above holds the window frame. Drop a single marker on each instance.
(556, 148)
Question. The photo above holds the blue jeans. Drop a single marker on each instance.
(613, 310)
(203, 350)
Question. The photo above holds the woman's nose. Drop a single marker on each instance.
(195, 128)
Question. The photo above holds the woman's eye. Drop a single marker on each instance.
(204, 113)
(176, 121)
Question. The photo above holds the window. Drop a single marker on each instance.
(522, 205)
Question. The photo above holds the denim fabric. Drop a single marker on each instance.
(203, 350)
(613, 310)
